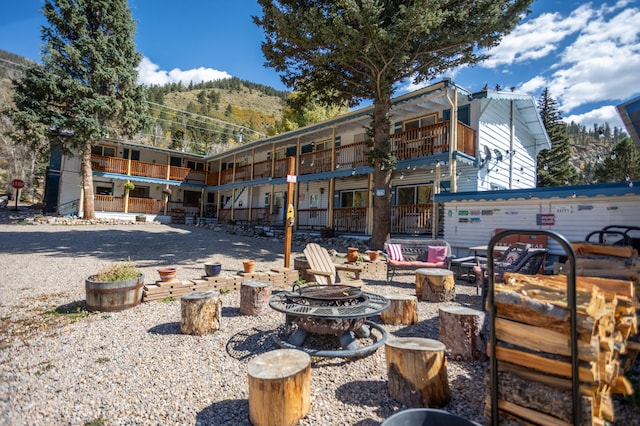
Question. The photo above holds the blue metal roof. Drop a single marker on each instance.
(610, 189)
(155, 181)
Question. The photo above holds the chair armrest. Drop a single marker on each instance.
(350, 268)
(321, 273)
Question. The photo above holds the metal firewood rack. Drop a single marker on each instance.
(571, 301)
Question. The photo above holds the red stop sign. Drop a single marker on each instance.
(17, 183)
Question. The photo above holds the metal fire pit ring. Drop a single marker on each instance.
(339, 353)
(330, 310)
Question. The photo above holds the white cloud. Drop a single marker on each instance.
(150, 73)
(602, 63)
(605, 114)
(534, 85)
(536, 38)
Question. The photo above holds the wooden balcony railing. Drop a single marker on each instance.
(352, 155)
(315, 162)
(197, 176)
(280, 168)
(430, 140)
(350, 219)
(312, 219)
(108, 164)
(411, 219)
(108, 203)
(213, 178)
(262, 169)
(138, 168)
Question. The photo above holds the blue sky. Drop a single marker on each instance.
(587, 54)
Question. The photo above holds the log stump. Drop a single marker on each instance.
(279, 387)
(435, 285)
(417, 372)
(200, 312)
(254, 297)
(462, 332)
(403, 310)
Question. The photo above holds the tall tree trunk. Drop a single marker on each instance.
(381, 176)
(87, 182)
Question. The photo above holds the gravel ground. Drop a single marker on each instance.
(135, 367)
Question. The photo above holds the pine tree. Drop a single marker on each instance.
(554, 165)
(623, 164)
(86, 88)
(344, 52)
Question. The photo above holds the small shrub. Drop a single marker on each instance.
(167, 299)
(116, 272)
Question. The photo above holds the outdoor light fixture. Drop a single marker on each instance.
(401, 175)
(337, 166)
(353, 171)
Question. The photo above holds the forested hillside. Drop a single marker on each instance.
(207, 117)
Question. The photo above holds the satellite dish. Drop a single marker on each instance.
(487, 157)
(498, 155)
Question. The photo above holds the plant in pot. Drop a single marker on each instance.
(114, 287)
(129, 186)
(352, 254)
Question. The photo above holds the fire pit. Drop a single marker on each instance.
(338, 310)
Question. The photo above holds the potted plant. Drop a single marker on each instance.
(129, 186)
(166, 190)
(352, 254)
(115, 287)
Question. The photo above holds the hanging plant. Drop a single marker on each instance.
(166, 191)
(129, 185)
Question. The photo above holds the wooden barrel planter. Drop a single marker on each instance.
(113, 296)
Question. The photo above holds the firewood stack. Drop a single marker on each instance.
(533, 339)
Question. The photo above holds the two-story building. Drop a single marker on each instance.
(444, 137)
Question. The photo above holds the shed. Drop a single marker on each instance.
(471, 218)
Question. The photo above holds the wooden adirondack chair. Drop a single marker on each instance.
(325, 271)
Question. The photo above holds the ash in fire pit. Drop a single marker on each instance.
(338, 310)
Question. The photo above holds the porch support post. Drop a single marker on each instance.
(512, 133)
(453, 143)
(370, 201)
(202, 193)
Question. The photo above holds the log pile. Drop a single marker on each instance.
(533, 339)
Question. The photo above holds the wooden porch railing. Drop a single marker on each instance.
(411, 219)
(108, 164)
(109, 203)
(312, 219)
(350, 219)
(196, 176)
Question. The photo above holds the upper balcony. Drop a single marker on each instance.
(101, 163)
(409, 144)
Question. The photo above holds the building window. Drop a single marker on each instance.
(105, 151)
(139, 192)
(191, 198)
(104, 190)
(418, 194)
(195, 165)
(419, 122)
(356, 198)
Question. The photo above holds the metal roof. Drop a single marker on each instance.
(610, 189)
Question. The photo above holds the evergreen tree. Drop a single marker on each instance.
(87, 86)
(347, 51)
(554, 165)
(622, 165)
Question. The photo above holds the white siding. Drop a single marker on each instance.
(573, 218)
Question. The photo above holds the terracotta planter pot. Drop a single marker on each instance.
(373, 255)
(248, 265)
(352, 254)
(167, 274)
